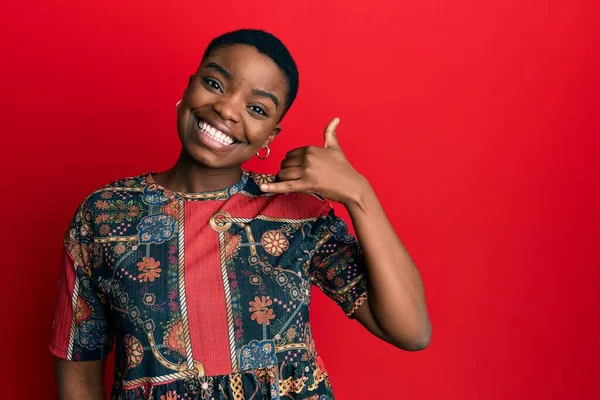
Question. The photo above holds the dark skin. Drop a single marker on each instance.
(242, 93)
(244, 99)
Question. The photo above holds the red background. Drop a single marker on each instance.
(476, 122)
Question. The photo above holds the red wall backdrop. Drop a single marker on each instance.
(476, 122)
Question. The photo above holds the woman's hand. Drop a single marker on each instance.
(321, 170)
(395, 310)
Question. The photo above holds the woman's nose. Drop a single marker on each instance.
(228, 108)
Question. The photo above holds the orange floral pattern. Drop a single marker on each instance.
(263, 178)
(149, 268)
(260, 311)
(120, 249)
(274, 242)
(174, 338)
(172, 395)
(82, 311)
(133, 350)
(232, 245)
(172, 209)
(102, 205)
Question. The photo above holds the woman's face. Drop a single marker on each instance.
(231, 107)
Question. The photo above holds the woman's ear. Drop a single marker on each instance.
(273, 134)
(191, 79)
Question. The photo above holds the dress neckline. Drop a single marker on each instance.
(220, 194)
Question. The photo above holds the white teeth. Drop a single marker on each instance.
(214, 133)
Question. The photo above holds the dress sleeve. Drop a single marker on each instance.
(80, 330)
(337, 266)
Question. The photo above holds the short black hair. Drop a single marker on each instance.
(266, 44)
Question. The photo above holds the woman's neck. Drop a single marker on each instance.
(188, 176)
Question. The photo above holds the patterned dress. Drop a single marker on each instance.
(203, 295)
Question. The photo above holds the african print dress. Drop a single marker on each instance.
(204, 295)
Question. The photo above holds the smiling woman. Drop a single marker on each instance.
(201, 276)
(231, 108)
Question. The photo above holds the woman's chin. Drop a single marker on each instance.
(207, 158)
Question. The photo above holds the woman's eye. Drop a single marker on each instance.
(214, 84)
(258, 110)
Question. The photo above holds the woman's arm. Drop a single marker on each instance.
(396, 303)
(395, 310)
(80, 379)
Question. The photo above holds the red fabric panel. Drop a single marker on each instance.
(205, 294)
(294, 206)
(63, 318)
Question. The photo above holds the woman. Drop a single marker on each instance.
(201, 275)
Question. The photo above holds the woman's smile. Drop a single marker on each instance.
(216, 136)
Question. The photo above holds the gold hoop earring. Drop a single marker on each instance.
(265, 157)
(178, 105)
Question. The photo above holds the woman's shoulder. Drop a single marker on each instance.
(127, 186)
(132, 183)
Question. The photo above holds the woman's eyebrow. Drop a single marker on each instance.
(262, 93)
(219, 68)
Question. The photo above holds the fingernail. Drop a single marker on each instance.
(264, 186)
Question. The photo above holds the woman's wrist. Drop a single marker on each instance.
(361, 197)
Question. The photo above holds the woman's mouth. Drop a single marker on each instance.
(214, 133)
(213, 137)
